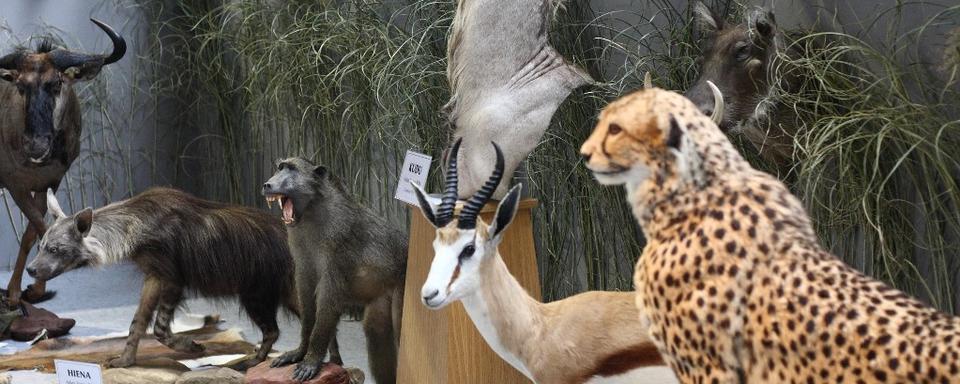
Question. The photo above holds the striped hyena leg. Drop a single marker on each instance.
(170, 297)
(149, 296)
(263, 312)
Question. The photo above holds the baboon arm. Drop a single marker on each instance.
(328, 313)
(308, 310)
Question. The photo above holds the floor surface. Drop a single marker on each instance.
(104, 300)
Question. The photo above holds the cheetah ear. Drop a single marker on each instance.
(674, 134)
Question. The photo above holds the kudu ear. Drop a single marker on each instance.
(53, 205)
(84, 220)
(707, 22)
(506, 211)
(762, 24)
(429, 211)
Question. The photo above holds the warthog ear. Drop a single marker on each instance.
(84, 220)
(762, 24)
(506, 211)
(320, 171)
(707, 22)
(53, 205)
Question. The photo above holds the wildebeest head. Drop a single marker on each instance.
(295, 185)
(737, 58)
(43, 79)
(66, 245)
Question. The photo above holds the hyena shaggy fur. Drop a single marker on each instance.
(345, 256)
(182, 244)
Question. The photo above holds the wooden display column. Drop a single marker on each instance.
(443, 346)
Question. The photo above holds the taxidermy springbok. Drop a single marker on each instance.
(505, 80)
(183, 245)
(593, 337)
(40, 132)
(741, 60)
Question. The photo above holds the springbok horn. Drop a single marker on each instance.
(449, 200)
(647, 80)
(717, 116)
(468, 215)
(63, 59)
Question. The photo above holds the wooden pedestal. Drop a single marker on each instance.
(443, 346)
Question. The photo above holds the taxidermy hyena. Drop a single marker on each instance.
(344, 256)
(182, 244)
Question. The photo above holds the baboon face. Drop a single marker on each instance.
(66, 246)
(296, 184)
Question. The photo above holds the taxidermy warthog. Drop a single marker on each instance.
(182, 244)
(40, 131)
(506, 81)
(741, 60)
(345, 256)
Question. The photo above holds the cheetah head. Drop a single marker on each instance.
(639, 138)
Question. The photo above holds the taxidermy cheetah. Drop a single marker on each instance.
(733, 283)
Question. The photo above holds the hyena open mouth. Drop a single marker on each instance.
(286, 206)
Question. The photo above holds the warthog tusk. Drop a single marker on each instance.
(717, 115)
(647, 80)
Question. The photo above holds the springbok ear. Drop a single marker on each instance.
(762, 24)
(506, 211)
(53, 205)
(425, 207)
(674, 134)
(707, 22)
(84, 220)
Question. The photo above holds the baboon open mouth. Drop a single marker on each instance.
(286, 206)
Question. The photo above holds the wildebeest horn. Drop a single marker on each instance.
(10, 61)
(449, 199)
(717, 116)
(63, 59)
(647, 80)
(468, 215)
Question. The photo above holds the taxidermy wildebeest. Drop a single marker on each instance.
(741, 60)
(40, 132)
(344, 256)
(182, 244)
(505, 80)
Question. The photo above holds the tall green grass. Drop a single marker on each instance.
(353, 84)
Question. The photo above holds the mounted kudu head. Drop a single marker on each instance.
(43, 79)
(464, 242)
(738, 59)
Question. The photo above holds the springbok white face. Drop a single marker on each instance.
(463, 244)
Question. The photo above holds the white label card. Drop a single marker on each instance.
(74, 372)
(416, 167)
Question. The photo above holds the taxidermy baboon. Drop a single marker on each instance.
(344, 255)
(182, 244)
